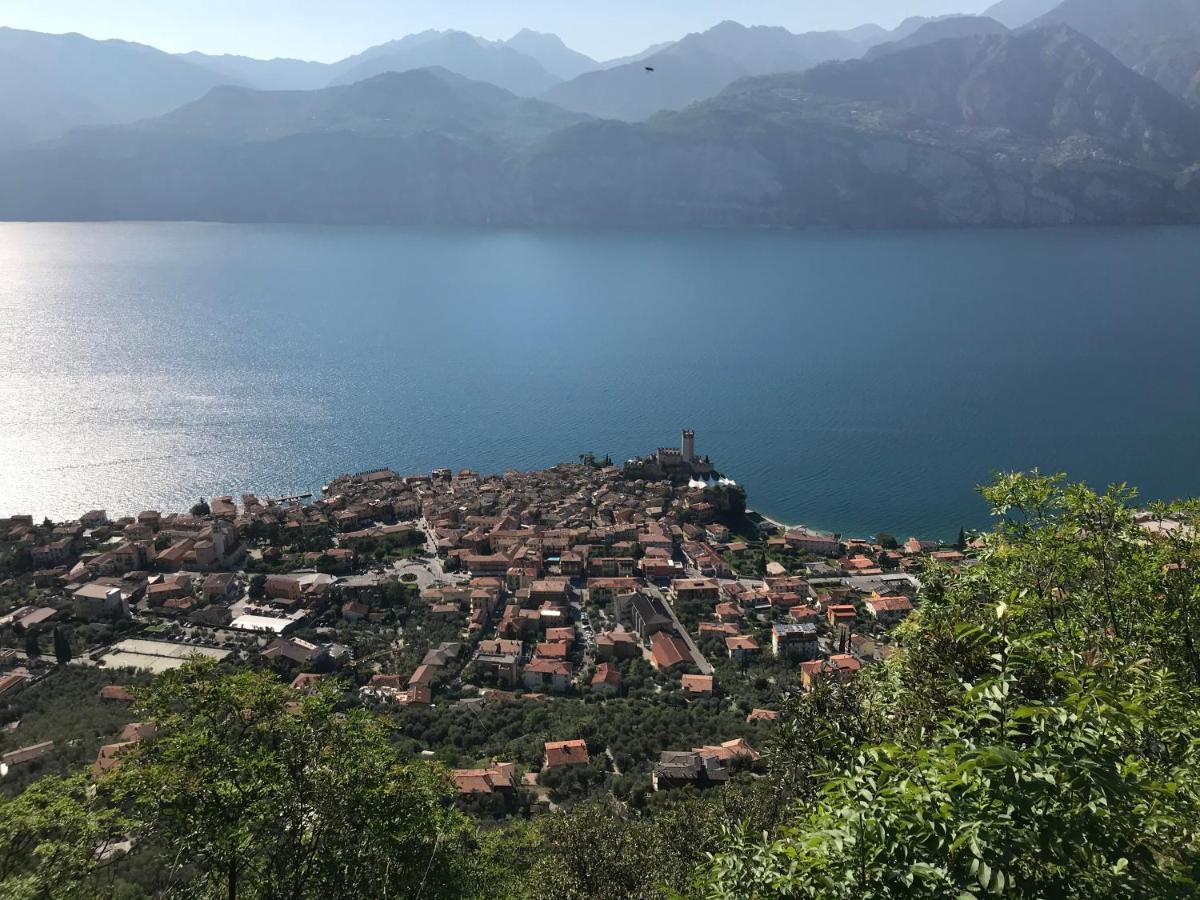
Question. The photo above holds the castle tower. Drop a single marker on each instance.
(689, 446)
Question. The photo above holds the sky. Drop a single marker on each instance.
(329, 30)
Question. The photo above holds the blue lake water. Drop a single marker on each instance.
(852, 381)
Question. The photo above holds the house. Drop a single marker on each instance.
(741, 647)
(729, 750)
(284, 587)
(889, 610)
(110, 755)
(697, 685)
(680, 769)
(841, 614)
(114, 693)
(30, 617)
(295, 652)
(762, 715)
(707, 590)
(479, 564)
(24, 755)
(794, 640)
(12, 683)
(840, 667)
(498, 777)
(552, 650)
(611, 566)
(725, 629)
(353, 611)
(612, 645)
(53, 554)
(667, 651)
(219, 587)
(812, 543)
(500, 659)
(607, 679)
(99, 601)
(650, 616)
(565, 753)
(604, 590)
(305, 681)
(803, 613)
(948, 557)
(423, 675)
(547, 674)
(660, 569)
(729, 612)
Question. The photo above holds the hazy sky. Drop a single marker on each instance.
(332, 29)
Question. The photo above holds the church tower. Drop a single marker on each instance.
(689, 446)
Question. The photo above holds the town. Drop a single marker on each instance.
(547, 635)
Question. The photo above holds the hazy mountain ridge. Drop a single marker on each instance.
(939, 30)
(391, 104)
(1038, 127)
(264, 74)
(1159, 38)
(455, 51)
(696, 68)
(1015, 13)
(52, 83)
(552, 54)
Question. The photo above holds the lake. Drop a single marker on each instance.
(852, 381)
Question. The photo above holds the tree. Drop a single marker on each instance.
(201, 508)
(258, 586)
(52, 839)
(33, 648)
(275, 796)
(1068, 796)
(887, 541)
(1034, 736)
(62, 644)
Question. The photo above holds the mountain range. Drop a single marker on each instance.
(1037, 126)
(954, 120)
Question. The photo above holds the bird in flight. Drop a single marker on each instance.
(649, 68)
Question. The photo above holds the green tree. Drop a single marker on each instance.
(258, 586)
(1089, 794)
(53, 837)
(201, 508)
(272, 796)
(1034, 736)
(62, 644)
(887, 541)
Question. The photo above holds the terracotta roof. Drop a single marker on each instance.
(540, 665)
(607, 674)
(566, 753)
(735, 749)
(668, 650)
(741, 642)
(697, 684)
(890, 604)
(762, 715)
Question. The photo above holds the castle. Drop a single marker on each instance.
(677, 464)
